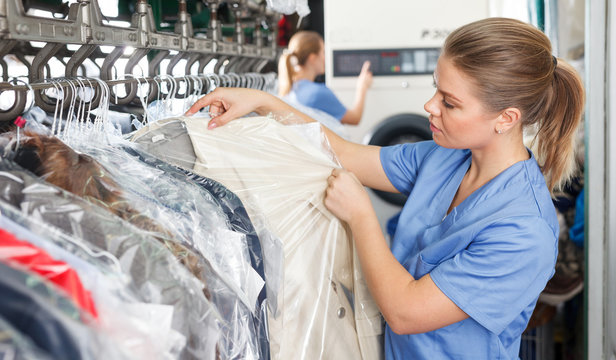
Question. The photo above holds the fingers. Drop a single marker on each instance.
(200, 104)
(366, 66)
(337, 171)
(221, 119)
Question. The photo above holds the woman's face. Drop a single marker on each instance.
(458, 119)
(320, 60)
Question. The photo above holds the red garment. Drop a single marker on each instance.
(38, 261)
(284, 31)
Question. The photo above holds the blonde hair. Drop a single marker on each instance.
(301, 45)
(512, 65)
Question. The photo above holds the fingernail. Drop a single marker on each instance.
(211, 125)
(188, 113)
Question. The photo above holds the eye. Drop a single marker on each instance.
(446, 104)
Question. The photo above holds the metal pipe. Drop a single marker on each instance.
(68, 83)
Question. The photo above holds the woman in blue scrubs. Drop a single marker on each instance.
(298, 67)
(477, 239)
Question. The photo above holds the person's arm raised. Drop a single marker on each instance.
(364, 81)
(228, 104)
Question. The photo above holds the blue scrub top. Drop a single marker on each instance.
(492, 255)
(318, 96)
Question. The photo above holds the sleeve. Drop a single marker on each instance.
(501, 272)
(324, 99)
(401, 163)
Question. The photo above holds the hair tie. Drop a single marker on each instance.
(554, 60)
(293, 60)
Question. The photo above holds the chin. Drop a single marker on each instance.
(439, 141)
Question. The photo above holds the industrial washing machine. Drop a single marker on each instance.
(402, 40)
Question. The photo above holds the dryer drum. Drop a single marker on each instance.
(399, 129)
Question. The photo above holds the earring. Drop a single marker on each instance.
(500, 131)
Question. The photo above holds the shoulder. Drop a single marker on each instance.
(306, 88)
(423, 153)
(520, 195)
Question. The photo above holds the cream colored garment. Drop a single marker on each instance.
(278, 173)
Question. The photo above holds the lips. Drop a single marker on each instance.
(434, 128)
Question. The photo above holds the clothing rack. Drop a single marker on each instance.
(237, 62)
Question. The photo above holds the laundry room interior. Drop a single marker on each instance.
(307, 179)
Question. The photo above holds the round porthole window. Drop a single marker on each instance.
(400, 129)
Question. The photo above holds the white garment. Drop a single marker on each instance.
(280, 175)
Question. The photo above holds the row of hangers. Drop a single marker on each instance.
(136, 85)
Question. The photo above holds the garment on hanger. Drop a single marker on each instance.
(15, 345)
(155, 274)
(134, 325)
(325, 309)
(38, 261)
(197, 221)
(53, 322)
(189, 219)
(268, 268)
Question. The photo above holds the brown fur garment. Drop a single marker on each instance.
(54, 161)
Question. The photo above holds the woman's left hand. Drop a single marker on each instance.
(347, 198)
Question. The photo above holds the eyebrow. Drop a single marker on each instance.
(448, 94)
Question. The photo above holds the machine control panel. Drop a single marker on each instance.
(386, 62)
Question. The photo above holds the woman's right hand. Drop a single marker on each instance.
(364, 80)
(227, 104)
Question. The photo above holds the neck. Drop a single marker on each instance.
(488, 162)
(305, 73)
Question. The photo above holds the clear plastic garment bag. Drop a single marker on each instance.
(279, 172)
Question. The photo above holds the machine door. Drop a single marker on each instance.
(400, 129)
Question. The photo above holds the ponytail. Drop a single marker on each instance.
(301, 45)
(512, 65)
(285, 73)
(555, 141)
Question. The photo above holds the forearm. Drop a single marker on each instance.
(389, 282)
(360, 99)
(354, 114)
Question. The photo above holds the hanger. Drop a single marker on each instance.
(37, 73)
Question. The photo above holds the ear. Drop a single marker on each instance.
(310, 58)
(508, 119)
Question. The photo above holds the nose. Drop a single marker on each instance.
(432, 106)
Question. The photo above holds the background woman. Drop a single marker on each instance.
(299, 66)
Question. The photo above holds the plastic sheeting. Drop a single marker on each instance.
(194, 218)
(174, 207)
(154, 273)
(290, 6)
(37, 260)
(59, 330)
(16, 346)
(280, 173)
(324, 118)
(133, 325)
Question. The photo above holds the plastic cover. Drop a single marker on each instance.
(37, 260)
(16, 346)
(324, 118)
(60, 330)
(289, 7)
(134, 326)
(189, 222)
(280, 173)
(155, 275)
(192, 217)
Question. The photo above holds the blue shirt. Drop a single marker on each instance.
(492, 255)
(318, 96)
